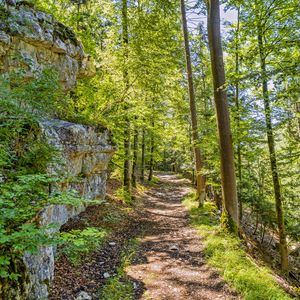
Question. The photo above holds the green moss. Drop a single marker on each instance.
(225, 252)
(227, 223)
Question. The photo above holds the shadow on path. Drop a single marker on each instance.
(170, 263)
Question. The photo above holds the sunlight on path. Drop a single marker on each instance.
(170, 264)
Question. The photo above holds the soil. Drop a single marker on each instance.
(169, 263)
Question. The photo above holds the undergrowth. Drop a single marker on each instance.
(120, 287)
(77, 244)
(25, 159)
(226, 253)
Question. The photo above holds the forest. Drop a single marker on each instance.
(149, 149)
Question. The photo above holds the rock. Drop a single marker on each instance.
(85, 151)
(106, 275)
(174, 248)
(42, 42)
(112, 244)
(83, 296)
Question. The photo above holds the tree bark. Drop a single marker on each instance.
(135, 157)
(197, 153)
(150, 177)
(223, 119)
(297, 110)
(127, 146)
(272, 153)
(142, 177)
(238, 113)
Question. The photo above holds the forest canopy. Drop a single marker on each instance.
(220, 105)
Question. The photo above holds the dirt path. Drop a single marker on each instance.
(170, 264)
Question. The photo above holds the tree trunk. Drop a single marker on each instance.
(135, 157)
(238, 113)
(127, 179)
(222, 110)
(150, 177)
(272, 153)
(142, 177)
(197, 153)
(297, 110)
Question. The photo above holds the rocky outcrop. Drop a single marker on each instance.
(85, 152)
(33, 40)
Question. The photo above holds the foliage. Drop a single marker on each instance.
(226, 253)
(80, 243)
(26, 187)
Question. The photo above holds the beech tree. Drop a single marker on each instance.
(200, 178)
(225, 139)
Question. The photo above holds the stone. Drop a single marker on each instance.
(112, 244)
(84, 151)
(174, 248)
(80, 147)
(51, 43)
(106, 275)
(83, 296)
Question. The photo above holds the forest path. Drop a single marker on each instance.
(170, 263)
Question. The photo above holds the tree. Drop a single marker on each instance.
(127, 146)
(222, 111)
(271, 145)
(200, 179)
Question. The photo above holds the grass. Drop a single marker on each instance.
(120, 287)
(226, 253)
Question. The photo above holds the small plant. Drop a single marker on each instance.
(124, 196)
(113, 217)
(78, 243)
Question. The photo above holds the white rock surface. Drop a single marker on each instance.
(83, 296)
(41, 42)
(85, 151)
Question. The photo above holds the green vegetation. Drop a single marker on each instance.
(120, 287)
(24, 159)
(78, 244)
(226, 253)
(140, 92)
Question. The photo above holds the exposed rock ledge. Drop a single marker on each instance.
(34, 40)
(85, 152)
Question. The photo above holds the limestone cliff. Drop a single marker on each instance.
(85, 152)
(33, 40)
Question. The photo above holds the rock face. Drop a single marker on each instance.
(33, 40)
(85, 152)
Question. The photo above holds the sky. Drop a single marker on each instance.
(194, 17)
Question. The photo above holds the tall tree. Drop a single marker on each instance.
(142, 176)
(220, 95)
(127, 147)
(135, 156)
(200, 179)
(238, 113)
(152, 145)
(271, 145)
